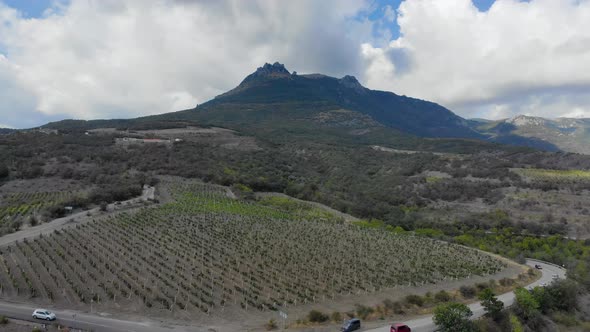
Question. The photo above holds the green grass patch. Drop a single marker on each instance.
(301, 210)
(197, 203)
(433, 179)
(373, 223)
(538, 173)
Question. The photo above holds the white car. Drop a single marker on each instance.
(43, 314)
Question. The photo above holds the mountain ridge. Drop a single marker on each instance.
(275, 84)
(274, 100)
(566, 134)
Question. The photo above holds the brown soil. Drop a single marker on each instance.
(25, 326)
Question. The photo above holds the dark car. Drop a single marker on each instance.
(400, 328)
(351, 325)
(538, 267)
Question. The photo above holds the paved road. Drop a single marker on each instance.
(425, 324)
(89, 322)
(55, 224)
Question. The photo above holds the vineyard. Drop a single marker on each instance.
(205, 252)
(18, 206)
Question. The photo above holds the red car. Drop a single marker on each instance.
(400, 328)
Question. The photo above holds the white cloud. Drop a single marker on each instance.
(389, 13)
(494, 63)
(111, 58)
(108, 58)
(578, 113)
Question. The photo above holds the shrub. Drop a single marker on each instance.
(33, 221)
(270, 325)
(515, 324)
(56, 211)
(363, 311)
(492, 284)
(566, 319)
(442, 297)
(3, 320)
(398, 308)
(336, 317)
(415, 300)
(467, 292)
(506, 282)
(316, 316)
(482, 285)
(395, 307)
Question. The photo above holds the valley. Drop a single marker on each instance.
(282, 195)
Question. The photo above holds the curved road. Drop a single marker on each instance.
(425, 324)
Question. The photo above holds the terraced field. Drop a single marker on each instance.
(206, 252)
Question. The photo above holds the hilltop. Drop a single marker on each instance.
(566, 134)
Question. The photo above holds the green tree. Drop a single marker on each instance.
(491, 304)
(527, 306)
(453, 317)
(563, 295)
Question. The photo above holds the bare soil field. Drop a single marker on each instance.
(221, 137)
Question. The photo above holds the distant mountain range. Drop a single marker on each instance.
(565, 134)
(276, 103)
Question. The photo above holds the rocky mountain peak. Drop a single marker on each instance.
(274, 70)
(351, 82)
(268, 71)
(525, 120)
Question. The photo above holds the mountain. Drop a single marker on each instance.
(566, 134)
(275, 85)
(278, 106)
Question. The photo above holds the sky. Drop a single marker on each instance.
(88, 59)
